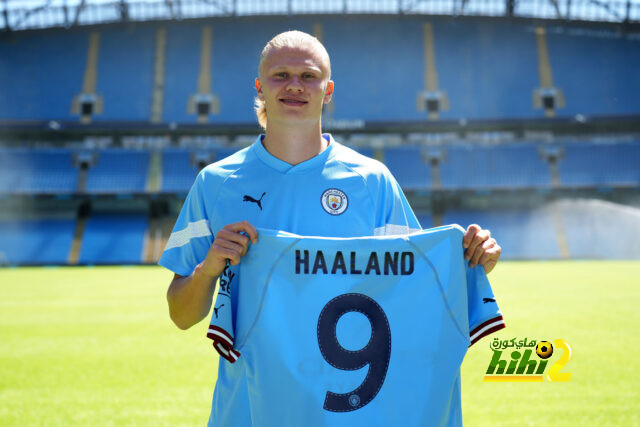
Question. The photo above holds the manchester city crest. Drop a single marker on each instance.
(334, 201)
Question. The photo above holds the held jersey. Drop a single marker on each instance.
(337, 193)
(354, 331)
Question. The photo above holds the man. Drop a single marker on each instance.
(293, 178)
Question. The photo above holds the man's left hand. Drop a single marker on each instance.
(481, 248)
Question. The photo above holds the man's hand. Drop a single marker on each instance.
(229, 244)
(481, 248)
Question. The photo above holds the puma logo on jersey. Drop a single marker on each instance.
(486, 300)
(215, 309)
(248, 198)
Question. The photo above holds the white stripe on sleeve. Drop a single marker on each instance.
(497, 322)
(193, 230)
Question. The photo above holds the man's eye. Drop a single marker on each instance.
(308, 76)
(282, 75)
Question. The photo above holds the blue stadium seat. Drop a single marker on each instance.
(178, 173)
(501, 166)
(522, 234)
(488, 68)
(125, 72)
(24, 171)
(119, 171)
(600, 164)
(408, 166)
(475, 61)
(113, 239)
(40, 73)
(37, 241)
(610, 88)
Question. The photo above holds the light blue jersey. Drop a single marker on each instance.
(338, 193)
(359, 331)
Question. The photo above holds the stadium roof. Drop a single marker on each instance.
(29, 14)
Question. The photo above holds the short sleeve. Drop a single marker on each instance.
(485, 317)
(191, 237)
(221, 328)
(396, 217)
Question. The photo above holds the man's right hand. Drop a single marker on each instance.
(231, 243)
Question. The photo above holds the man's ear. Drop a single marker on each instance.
(329, 93)
(258, 88)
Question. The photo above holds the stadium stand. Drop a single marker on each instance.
(178, 173)
(409, 167)
(491, 167)
(180, 166)
(48, 95)
(181, 70)
(477, 67)
(35, 241)
(125, 67)
(488, 69)
(37, 171)
(601, 89)
(119, 171)
(146, 77)
(114, 239)
(589, 164)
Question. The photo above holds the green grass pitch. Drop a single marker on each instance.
(95, 346)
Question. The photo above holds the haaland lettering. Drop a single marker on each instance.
(379, 264)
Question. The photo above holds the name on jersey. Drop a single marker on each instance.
(378, 263)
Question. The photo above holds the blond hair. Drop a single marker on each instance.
(291, 39)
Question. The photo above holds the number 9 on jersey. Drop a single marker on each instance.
(376, 353)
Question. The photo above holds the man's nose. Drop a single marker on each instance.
(295, 84)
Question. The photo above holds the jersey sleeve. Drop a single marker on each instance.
(485, 317)
(395, 216)
(221, 328)
(191, 237)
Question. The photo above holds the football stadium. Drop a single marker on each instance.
(522, 116)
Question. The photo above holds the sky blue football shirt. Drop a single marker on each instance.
(359, 331)
(338, 193)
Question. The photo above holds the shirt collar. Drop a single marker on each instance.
(284, 167)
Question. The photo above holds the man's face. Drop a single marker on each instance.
(294, 85)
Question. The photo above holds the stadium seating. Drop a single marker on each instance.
(487, 68)
(179, 170)
(125, 73)
(587, 164)
(500, 166)
(408, 165)
(178, 173)
(113, 239)
(44, 74)
(37, 171)
(119, 171)
(36, 241)
(602, 89)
